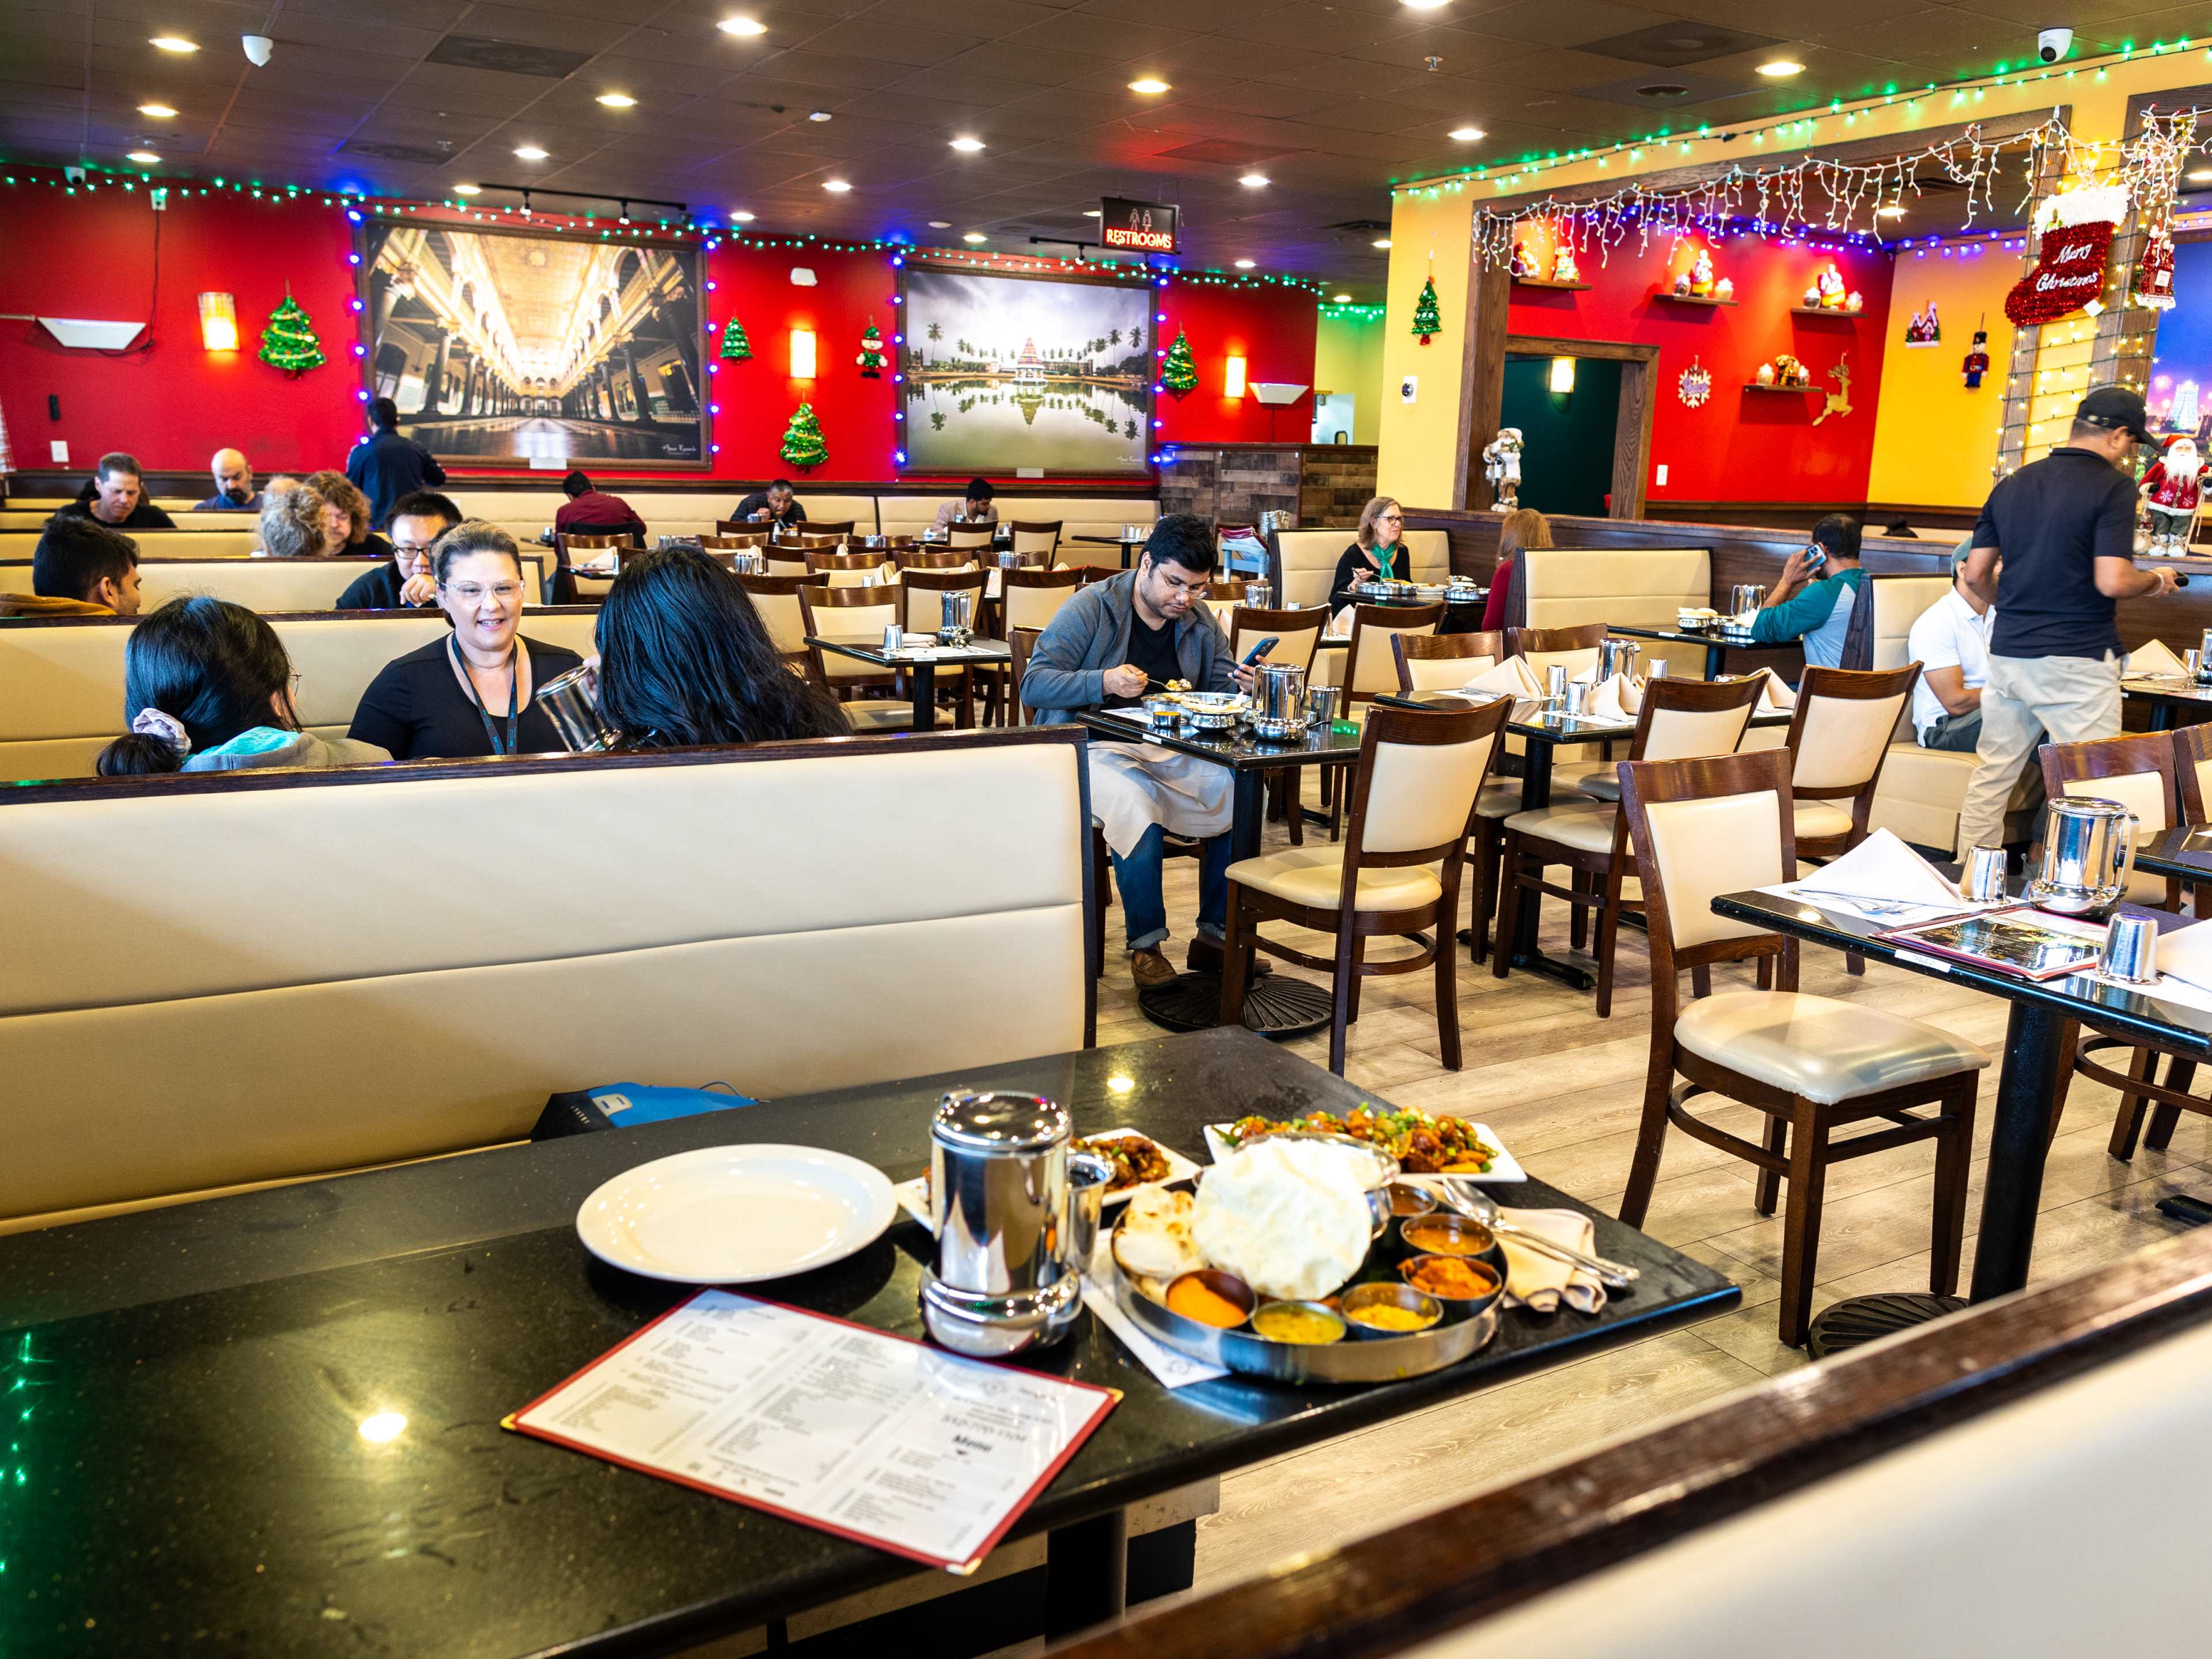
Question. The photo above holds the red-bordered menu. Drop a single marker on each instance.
(871, 1437)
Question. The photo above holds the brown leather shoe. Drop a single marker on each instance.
(1150, 969)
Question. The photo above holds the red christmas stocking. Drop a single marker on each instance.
(2068, 273)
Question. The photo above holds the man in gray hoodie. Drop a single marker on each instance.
(1107, 647)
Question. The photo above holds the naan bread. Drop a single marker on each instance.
(1288, 1217)
(1155, 1240)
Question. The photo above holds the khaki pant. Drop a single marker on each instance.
(2067, 699)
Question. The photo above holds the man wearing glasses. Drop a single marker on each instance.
(406, 582)
(1113, 643)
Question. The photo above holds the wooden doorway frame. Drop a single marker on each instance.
(1632, 429)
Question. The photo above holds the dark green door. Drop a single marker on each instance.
(1566, 461)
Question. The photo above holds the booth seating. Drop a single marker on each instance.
(220, 980)
(1301, 563)
(15, 520)
(1921, 790)
(268, 586)
(234, 540)
(60, 678)
(1079, 515)
(1632, 587)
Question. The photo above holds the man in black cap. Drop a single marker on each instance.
(2065, 528)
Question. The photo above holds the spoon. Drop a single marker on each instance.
(1477, 1206)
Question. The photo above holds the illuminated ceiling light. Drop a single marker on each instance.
(1093, 213)
(1421, 5)
(1120, 1084)
(835, 187)
(1150, 86)
(618, 101)
(2201, 176)
(1890, 212)
(940, 224)
(1383, 242)
(744, 25)
(173, 43)
(1468, 135)
(384, 1425)
(975, 236)
(1243, 265)
(468, 190)
(1339, 298)
(530, 153)
(1256, 181)
(967, 146)
(1781, 69)
(144, 158)
(158, 112)
(817, 115)
(739, 216)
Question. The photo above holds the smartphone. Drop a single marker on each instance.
(1260, 649)
(1815, 557)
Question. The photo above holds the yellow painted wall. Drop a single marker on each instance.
(1934, 440)
(1420, 440)
(1348, 358)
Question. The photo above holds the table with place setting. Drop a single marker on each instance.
(920, 662)
(579, 1395)
(1716, 641)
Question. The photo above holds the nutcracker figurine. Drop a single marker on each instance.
(1977, 360)
(2172, 491)
(1501, 465)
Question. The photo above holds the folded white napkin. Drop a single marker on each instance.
(1744, 618)
(2154, 657)
(1609, 702)
(1542, 1282)
(1880, 867)
(2185, 954)
(1513, 677)
(1340, 624)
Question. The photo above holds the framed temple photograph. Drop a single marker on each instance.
(1052, 374)
(502, 345)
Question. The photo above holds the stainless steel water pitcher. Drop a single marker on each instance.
(1278, 700)
(2088, 846)
(999, 1192)
(1617, 657)
(956, 615)
(749, 562)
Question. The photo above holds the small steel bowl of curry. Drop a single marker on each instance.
(1306, 1323)
(1206, 1296)
(1457, 1279)
(1408, 1200)
(1446, 1234)
(1382, 1309)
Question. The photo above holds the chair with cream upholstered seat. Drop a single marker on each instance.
(1028, 599)
(924, 614)
(777, 599)
(1840, 736)
(2192, 771)
(1397, 872)
(1369, 671)
(782, 562)
(967, 538)
(931, 558)
(821, 532)
(732, 540)
(1297, 635)
(1036, 539)
(848, 569)
(1680, 719)
(1445, 662)
(861, 615)
(1575, 649)
(1808, 1065)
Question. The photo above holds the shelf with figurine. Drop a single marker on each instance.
(1564, 275)
(1673, 298)
(1698, 285)
(1785, 374)
(1826, 296)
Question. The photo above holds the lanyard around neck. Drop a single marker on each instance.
(513, 694)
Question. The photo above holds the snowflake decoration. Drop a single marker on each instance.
(1695, 385)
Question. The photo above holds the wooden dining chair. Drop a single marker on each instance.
(847, 570)
(1297, 635)
(1807, 1064)
(969, 537)
(1574, 649)
(572, 586)
(827, 529)
(859, 614)
(742, 527)
(1839, 736)
(1680, 719)
(2142, 773)
(1445, 662)
(1396, 872)
(924, 558)
(732, 540)
(806, 543)
(776, 600)
(2192, 771)
(1037, 538)
(924, 609)
(1369, 669)
(782, 562)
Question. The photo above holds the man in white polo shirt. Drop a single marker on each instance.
(1950, 641)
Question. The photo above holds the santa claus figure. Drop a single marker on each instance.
(1701, 274)
(2172, 491)
(1829, 285)
(1501, 465)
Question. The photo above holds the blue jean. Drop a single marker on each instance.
(1145, 911)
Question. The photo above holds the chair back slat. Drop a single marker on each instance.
(1369, 666)
(1688, 720)
(1444, 662)
(1039, 538)
(2192, 770)
(1700, 828)
(1573, 648)
(1414, 789)
(1842, 730)
(1297, 634)
(1033, 597)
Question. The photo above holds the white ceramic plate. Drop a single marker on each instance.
(914, 1195)
(1503, 1167)
(735, 1215)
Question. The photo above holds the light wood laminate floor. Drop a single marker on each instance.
(1563, 1089)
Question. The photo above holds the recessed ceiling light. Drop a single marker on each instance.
(159, 111)
(1383, 242)
(1243, 265)
(741, 26)
(1468, 135)
(975, 236)
(1781, 68)
(468, 190)
(835, 187)
(1256, 181)
(741, 217)
(2202, 175)
(530, 153)
(618, 101)
(1339, 298)
(1148, 86)
(144, 158)
(1422, 5)
(1890, 212)
(1093, 213)
(940, 224)
(969, 145)
(173, 43)
(817, 115)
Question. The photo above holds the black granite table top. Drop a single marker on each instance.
(1237, 749)
(185, 1469)
(2183, 852)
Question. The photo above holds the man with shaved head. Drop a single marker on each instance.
(234, 485)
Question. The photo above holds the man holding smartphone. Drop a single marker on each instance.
(1812, 603)
(2054, 551)
(1110, 646)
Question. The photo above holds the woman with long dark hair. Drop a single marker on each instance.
(1523, 527)
(207, 687)
(685, 659)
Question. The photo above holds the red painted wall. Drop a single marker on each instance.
(1741, 446)
(91, 255)
(1271, 329)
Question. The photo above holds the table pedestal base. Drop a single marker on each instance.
(2186, 1207)
(1277, 1006)
(1860, 1319)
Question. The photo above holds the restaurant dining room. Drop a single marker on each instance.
(1076, 828)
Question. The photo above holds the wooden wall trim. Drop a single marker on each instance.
(1412, 1583)
(1482, 378)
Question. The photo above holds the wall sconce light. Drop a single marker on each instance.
(1563, 374)
(218, 322)
(802, 354)
(1232, 384)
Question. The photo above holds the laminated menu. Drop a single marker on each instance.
(868, 1435)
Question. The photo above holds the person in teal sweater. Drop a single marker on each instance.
(1813, 602)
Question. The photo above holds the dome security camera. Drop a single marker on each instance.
(258, 49)
(2051, 45)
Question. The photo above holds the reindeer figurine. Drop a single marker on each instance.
(1839, 401)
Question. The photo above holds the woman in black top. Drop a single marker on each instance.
(1376, 553)
(468, 693)
(685, 659)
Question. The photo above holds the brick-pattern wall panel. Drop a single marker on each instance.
(1339, 482)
